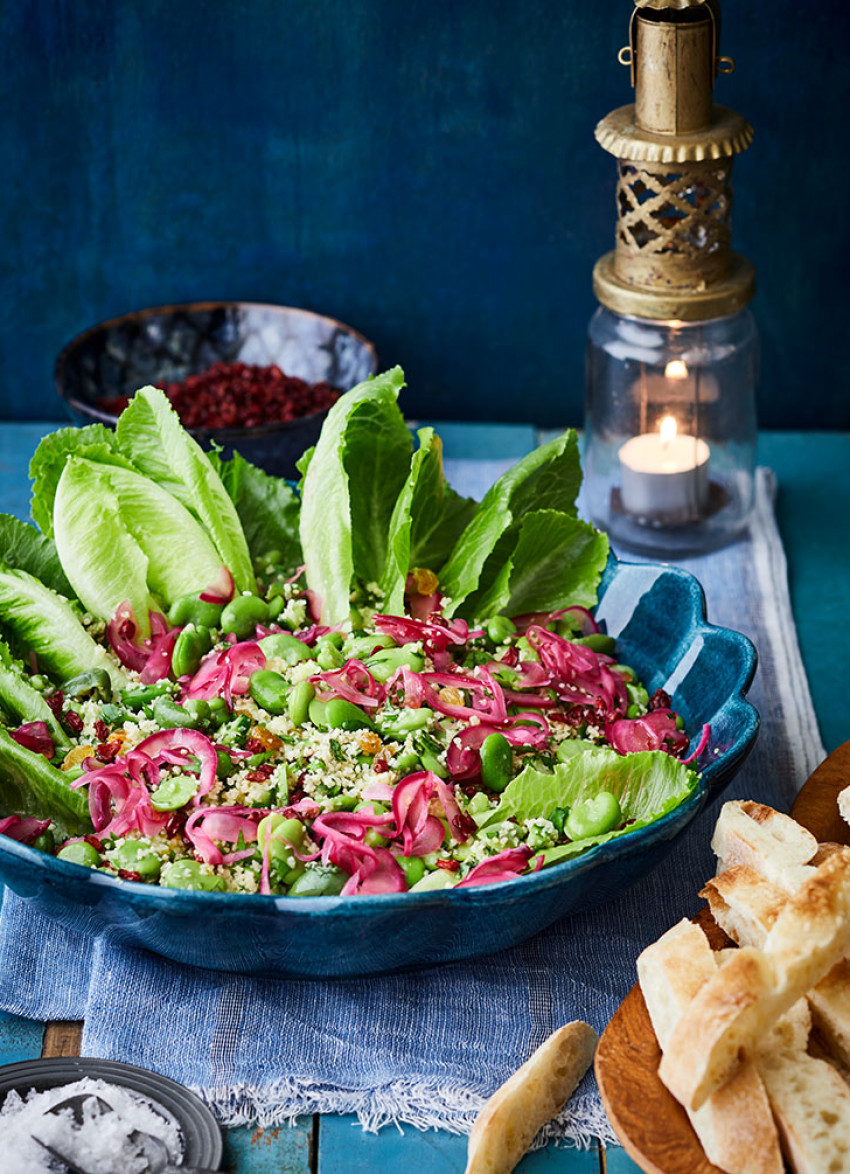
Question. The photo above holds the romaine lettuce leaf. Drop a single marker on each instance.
(647, 785)
(25, 548)
(557, 559)
(349, 489)
(376, 449)
(268, 508)
(40, 621)
(121, 537)
(30, 785)
(546, 479)
(151, 435)
(19, 699)
(96, 442)
(427, 519)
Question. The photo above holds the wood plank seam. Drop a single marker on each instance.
(62, 1037)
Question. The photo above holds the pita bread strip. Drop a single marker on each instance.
(744, 904)
(514, 1115)
(735, 1125)
(772, 844)
(811, 1104)
(746, 997)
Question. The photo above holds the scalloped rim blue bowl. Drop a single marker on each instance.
(350, 936)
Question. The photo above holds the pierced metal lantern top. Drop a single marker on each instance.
(673, 256)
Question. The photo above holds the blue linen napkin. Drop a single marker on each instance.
(424, 1048)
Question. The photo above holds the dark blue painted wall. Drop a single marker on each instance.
(424, 170)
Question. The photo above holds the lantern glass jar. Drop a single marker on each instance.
(670, 430)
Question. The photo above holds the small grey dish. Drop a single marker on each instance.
(168, 343)
(199, 1130)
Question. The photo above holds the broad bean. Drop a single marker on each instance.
(242, 615)
(188, 874)
(136, 857)
(499, 629)
(496, 762)
(598, 642)
(80, 852)
(328, 656)
(269, 689)
(191, 609)
(319, 882)
(383, 664)
(407, 722)
(413, 869)
(593, 817)
(189, 650)
(174, 792)
(362, 647)
(344, 715)
(298, 707)
(287, 648)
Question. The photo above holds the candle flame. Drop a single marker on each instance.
(668, 429)
(676, 369)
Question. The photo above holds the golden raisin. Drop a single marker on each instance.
(76, 756)
(425, 581)
(451, 695)
(369, 742)
(269, 741)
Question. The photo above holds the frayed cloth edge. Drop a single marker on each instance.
(419, 1104)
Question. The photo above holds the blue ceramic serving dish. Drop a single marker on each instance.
(657, 614)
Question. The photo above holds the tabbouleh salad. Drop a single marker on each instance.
(367, 684)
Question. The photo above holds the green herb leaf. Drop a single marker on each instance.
(150, 433)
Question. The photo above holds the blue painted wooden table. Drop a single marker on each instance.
(813, 509)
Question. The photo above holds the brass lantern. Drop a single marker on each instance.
(673, 349)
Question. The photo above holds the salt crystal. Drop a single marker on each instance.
(101, 1144)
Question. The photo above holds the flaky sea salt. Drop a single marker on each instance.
(102, 1143)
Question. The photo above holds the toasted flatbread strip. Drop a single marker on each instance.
(744, 904)
(748, 995)
(825, 850)
(812, 1107)
(773, 844)
(509, 1122)
(735, 1125)
(812, 933)
(844, 804)
(726, 1015)
(830, 1004)
(791, 1032)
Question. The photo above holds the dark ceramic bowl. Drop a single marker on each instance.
(168, 343)
(657, 614)
(199, 1132)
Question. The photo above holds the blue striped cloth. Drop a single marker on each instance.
(424, 1048)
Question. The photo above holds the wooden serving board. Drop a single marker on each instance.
(652, 1126)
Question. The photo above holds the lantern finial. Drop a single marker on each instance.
(673, 256)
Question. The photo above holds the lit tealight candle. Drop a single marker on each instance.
(664, 475)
